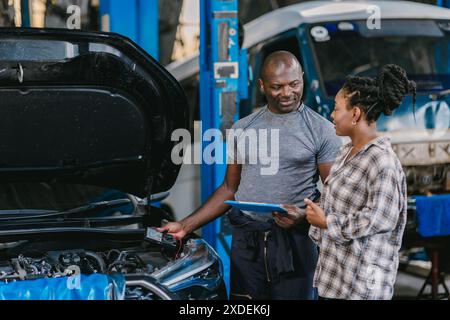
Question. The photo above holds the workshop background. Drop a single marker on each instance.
(171, 31)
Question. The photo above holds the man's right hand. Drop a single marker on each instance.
(213, 208)
(175, 229)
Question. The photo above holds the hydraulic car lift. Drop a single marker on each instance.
(443, 3)
(136, 19)
(223, 83)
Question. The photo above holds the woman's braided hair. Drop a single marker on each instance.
(382, 94)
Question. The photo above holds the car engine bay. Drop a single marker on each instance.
(66, 263)
(151, 272)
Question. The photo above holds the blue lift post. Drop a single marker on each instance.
(25, 13)
(135, 19)
(443, 3)
(223, 83)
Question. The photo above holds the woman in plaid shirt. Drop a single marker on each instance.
(359, 223)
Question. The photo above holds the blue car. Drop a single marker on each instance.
(85, 143)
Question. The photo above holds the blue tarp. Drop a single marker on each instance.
(81, 287)
(433, 215)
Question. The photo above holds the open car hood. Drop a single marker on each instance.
(86, 108)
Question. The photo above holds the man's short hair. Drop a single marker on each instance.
(278, 58)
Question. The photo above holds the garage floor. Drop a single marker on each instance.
(408, 285)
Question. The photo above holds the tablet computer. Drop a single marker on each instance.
(256, 206)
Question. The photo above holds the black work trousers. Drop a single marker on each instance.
(253, 270)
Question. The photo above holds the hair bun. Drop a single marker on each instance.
(393, 85)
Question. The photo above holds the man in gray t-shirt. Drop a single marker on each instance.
(272, 256)
(305, 140)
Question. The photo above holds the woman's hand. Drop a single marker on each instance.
(287, 220)
(315, 215)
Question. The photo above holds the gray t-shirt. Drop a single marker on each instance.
(306, 139)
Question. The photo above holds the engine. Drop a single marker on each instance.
(150, 272)
(67, 263)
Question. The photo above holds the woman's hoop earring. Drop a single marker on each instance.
(354, 123)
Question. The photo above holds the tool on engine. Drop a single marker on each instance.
(163, 239)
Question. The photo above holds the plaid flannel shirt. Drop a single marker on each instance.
(365, 204)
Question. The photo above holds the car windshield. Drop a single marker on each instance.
(421, 47)
(30, 197)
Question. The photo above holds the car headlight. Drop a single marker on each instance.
(199, 266)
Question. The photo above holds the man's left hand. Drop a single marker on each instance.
(315, 215)
(287, 220)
